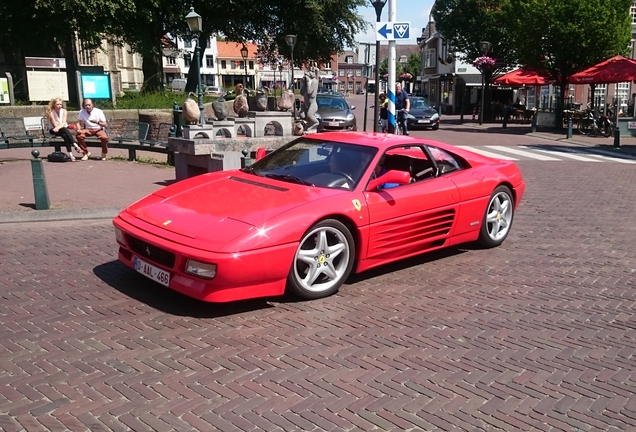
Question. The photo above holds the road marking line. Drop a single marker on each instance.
(478, 150)
(564, 154)
(523, 153)
(614, 159)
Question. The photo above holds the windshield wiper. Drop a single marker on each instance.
(250, 170)
(289, 178)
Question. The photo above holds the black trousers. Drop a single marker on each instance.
(66, 135)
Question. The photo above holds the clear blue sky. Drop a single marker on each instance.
(414, 11)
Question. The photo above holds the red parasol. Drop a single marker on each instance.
(614, 70)
(521, 77)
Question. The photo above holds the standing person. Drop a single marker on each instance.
(630, 105)
(58, 126)
(402, 102)
(384, 111)
(91, 122)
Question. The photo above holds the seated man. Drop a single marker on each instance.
(91, 122)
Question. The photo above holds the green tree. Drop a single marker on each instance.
(568, 36)
(466, 23)
(322, 27)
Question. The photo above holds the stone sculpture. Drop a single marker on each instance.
(309, 90)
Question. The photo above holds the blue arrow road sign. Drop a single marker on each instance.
(384, 31)
(392, 30)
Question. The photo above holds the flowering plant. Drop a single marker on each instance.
(484, 62)
(406, 76)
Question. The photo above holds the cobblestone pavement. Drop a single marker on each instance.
(536, 335)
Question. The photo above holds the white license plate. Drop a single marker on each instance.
(334, 123)
(423, 121)
(152, 272)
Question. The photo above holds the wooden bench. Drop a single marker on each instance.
(13, 134)
(132, 139)
(134, 131)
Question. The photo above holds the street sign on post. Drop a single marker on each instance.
(388, 31)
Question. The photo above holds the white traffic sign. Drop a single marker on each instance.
(392, 30)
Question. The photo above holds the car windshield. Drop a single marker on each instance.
(419, 104)
(331, 103)
(317, 163)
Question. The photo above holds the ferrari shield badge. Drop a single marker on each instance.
(357, 204)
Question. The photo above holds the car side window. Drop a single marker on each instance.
(445, 162)
(412, 159)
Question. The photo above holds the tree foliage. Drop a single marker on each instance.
(322, 26)
(466, 23)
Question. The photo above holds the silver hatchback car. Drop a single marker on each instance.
(335, 114)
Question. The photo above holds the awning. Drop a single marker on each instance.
(470, 80)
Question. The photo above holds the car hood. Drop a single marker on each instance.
(222, 205)
(422, 112)
(334, 113)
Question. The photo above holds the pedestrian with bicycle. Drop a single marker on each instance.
(402, 106)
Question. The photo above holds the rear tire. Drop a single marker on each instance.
(498, 217)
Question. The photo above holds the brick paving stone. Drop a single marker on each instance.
(541, 325)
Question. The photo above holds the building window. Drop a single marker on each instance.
(186, 61)
(209, 61)
(172, 61)
(187, 44)
(341, 72)
(328, 65)
(429, 58)
(251, 63)
(223, 64)
(358, 72)
(349, 59)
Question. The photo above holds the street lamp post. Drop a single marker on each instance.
(484, 47)
(378, 5)
(291, 42)
(280, 76)
(195, 22)
(244, 55)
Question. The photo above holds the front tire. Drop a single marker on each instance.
(497, 218)
(323, 261)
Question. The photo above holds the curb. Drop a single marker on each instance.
(57, 215)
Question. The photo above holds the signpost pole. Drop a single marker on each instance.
(391, 82)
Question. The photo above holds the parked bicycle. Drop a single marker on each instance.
(601, 125)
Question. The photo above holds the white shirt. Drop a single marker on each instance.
(90, 120)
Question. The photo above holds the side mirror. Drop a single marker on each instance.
(352, 107)
(393, 176)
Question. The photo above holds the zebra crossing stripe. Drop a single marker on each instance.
(614, 159)
(523, 153)
(564, 154)
(482, 152)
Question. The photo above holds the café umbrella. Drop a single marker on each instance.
(521, 77)
(613, 70)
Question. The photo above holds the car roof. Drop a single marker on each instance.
(376, 139)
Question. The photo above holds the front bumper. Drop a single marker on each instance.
(240, 275)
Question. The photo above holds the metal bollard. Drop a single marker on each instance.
(504, 124)
(39, 183)
(246, 160)
(569, 133)
(533, 126)
(617, 136)
(177, 119)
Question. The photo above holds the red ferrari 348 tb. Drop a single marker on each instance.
(308, 214)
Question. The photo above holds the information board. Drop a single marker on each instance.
(96, 86)
(44, 86)
(4, 91)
